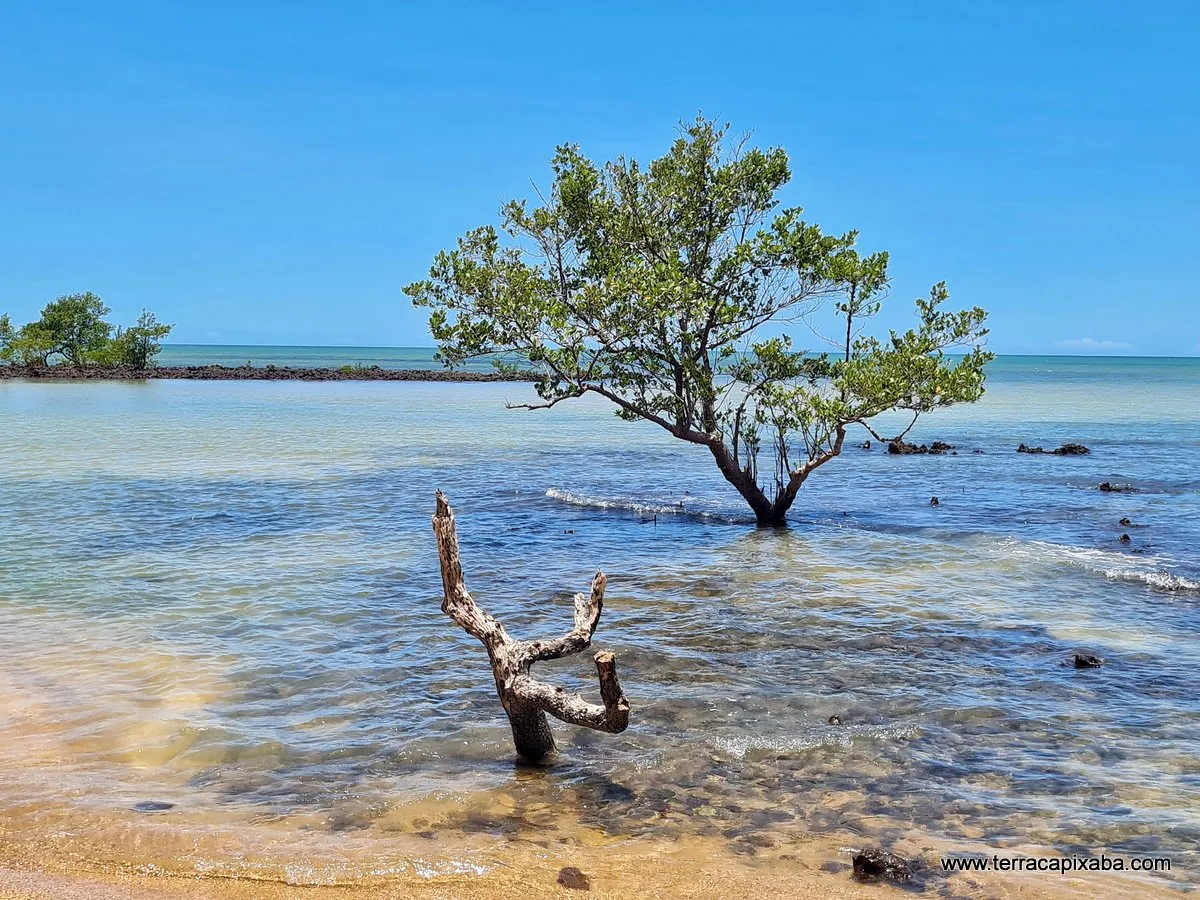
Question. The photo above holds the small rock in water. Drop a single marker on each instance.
(1124, 539)
(940, 447)
(835, 720)
(571, 877)
(875, 863)
(1125, 523)
(147, 806)
(1087, 661)
(933, 501)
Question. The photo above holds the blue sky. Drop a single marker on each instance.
(276, 172)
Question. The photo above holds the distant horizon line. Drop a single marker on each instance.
(428, 347)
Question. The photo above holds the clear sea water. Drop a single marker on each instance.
(225, 596)
(303, 357)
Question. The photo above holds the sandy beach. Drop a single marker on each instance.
(686, 869)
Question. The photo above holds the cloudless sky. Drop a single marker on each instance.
(276, 172)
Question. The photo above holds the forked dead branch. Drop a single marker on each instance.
(526, 700)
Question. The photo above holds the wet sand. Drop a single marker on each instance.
(668, 871)
(280, 864)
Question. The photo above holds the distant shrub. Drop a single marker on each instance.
(73, 328)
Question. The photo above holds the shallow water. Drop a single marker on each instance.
(224, 596)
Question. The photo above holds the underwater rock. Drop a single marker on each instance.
(875, 863)
(571, 877)
(1087, 661)
(147, 806)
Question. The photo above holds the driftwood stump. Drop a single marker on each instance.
(525, 699)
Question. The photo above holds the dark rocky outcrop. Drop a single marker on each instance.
(875, 864)
(255, 373)
(1064, 450)
(903, 448)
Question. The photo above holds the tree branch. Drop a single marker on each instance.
(612, 717)
(525, 698)
(587, 617)
(458, 603)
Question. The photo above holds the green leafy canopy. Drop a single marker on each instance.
(73, 328)
(664, 288)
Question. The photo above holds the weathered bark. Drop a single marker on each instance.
(744, 482)
(526, 700)
(766, 512)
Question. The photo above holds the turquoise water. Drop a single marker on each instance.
(224, 595)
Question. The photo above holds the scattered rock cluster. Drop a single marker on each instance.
(1064, 450)
(904, 448)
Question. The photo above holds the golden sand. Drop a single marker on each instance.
(694, 867)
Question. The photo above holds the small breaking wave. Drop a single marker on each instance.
(642, 508)
(1151, 571)
(1159, 580)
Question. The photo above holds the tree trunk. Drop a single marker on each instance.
(764, 510)
(531, 732)
(525, 699)
(768, 514)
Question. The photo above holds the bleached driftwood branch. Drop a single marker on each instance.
(526, 699)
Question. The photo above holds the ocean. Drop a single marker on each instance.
(225, 596)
